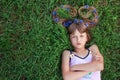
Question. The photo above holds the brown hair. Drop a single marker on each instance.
(81, 28)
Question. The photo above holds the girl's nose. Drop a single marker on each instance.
(78, 39)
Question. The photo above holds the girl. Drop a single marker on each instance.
(81, 63)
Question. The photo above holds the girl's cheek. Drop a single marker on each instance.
(73, 41)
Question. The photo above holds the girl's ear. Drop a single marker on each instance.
(88, 37)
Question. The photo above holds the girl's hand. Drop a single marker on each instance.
(97, 57)
(96, 53)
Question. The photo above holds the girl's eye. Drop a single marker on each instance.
(73, 36)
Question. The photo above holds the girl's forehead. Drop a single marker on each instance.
(76, 32)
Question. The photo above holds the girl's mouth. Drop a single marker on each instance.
(78, 43)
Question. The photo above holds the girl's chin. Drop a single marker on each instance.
(79, 46)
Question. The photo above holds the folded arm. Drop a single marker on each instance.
(66, 72)
(97, 63)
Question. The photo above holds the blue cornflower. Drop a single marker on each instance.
(96, 17)
(61, 6)
(94, 11)
(75, 20)
(81, 21)
(92, 22)
(86, 24)
(54, 13)
(86, 6)
(67, 24)
(68, 9)
(56, 19)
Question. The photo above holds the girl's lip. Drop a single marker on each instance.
(78, 43)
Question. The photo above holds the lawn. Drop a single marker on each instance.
(31, 43)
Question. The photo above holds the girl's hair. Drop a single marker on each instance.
(81, 25)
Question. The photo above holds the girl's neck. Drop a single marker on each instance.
(80, 50)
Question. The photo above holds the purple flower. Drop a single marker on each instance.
(81, 21)
(67, 24)
(96, 17)
(92, 22)
(94, 11)
(68, 9)
(86, 6)
(56, 19)
(75, 20)
(54, 13)
(86, 24)
(61, 6)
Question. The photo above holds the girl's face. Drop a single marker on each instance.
(78, 40)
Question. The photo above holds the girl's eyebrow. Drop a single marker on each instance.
(72, 33)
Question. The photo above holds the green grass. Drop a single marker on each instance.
(31, 44)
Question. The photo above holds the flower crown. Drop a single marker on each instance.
(73, 12)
